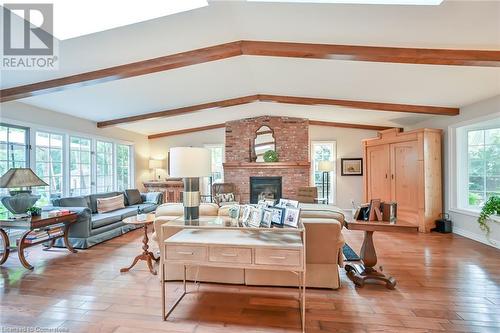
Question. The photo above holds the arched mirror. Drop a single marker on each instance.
(264, 141)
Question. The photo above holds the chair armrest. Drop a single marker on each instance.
(83, 226)
(158, 197)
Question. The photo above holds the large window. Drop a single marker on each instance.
(49, 165)
(14, 153)
(323, 151)
(122, 167)
(217, 151)
(483, 165)
(104, 166)
(80, 161)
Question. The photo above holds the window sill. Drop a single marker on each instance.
(473, 213)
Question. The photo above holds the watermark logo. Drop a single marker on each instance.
(28, 43)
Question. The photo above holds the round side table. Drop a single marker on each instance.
(146, 255)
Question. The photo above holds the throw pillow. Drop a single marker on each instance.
(224, 197)
(105, 205)
(133, 197)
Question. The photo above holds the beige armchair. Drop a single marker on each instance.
(324, 243)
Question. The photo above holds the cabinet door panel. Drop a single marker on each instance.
(404, 179)
(379, 186)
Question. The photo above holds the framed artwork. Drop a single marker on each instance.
(247, 210)
(255, 217)
(352, 166)
(278, 216)
(267, 215)
(292, 216)
(283, 203)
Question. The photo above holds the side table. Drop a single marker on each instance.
(146, 255)
(361, 273)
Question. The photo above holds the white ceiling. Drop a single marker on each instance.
(461, 24)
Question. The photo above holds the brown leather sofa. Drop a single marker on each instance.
(324, 243)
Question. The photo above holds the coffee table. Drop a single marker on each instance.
(43, 222)
(361, 273)
(146, 255)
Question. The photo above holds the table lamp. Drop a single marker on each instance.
(21, 199)
(190, 163)
(155, 165)
(326, 167)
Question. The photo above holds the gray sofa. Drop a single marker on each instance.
(93, 228)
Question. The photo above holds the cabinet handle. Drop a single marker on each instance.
(392, 176)
(279, 258)
(386, 175)
(186, 253)
(229, 255)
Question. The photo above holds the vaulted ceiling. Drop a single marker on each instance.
(463, 25)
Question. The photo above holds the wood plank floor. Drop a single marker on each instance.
(446, 283)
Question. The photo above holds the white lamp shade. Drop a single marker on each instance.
(326, 166)
(186, 162)
(156, 164)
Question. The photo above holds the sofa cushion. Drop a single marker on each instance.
(93, 199)
(133, 197)
(126, 212)
(105, 205)
(103, 219)
(71, 202)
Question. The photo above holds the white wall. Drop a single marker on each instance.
(464, 223)
(26, 115)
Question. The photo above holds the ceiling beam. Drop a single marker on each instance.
(311, 122)
(484, 58)
(374, 106)
(186, 130)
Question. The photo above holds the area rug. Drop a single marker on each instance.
(349, 254)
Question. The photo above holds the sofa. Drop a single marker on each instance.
(93, 228)
(324, 242)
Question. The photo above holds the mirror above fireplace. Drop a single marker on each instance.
(264, 141)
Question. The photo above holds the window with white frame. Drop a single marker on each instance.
(217, 153)
(80, 162)
(323, 151)
(49, 165)
(14, 153)
(123, 181)
(104, 166)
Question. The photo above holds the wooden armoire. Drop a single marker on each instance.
(405, 167)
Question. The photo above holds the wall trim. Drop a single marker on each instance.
(477, 237)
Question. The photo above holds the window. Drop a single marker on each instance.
(483, 165)
(217, 151)
(323, 151)
(14, 153)
(80, 161)
(49, 165)
(104, 166)
(122, 167)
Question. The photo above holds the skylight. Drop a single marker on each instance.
(74, 18)
(364, 2)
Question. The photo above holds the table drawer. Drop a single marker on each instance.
(277, 257)
(230, 255)
(186, 252)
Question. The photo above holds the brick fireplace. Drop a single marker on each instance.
(292, 146)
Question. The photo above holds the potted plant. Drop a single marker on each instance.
(34, 211)
(491, 207)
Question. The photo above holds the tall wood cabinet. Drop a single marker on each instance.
(406, 167)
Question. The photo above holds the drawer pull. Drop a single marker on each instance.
(277, 257)
(229, 254)
(185, 253)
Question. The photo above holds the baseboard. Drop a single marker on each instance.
(478, 238)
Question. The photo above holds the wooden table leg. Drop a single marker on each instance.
(146, 255)
(6, 246)
(361, 273)
(20, 251)
(66, 240)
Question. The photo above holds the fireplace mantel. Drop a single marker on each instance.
(267, 165)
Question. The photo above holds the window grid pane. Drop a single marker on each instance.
(49, 165)
(123, 167)
(323, 151)
(80, 159)
(104, 166)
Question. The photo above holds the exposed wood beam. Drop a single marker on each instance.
(435, 110)
(186, 130)
(344, 125)
(311, 122)
(486, 58)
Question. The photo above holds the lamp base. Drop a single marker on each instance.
(191, 198)
(20, 202)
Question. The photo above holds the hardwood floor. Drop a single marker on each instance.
(445, 283)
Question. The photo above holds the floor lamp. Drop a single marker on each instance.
(190, 164)
(326, 167)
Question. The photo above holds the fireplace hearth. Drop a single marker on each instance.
(265, 188)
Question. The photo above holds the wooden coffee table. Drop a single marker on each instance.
(361, 273)
(36, 222)
(146, 255)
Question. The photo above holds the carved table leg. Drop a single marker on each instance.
(6, 246)
(49, 245)
(361, 273)
(145, 255)
(66, 240)
(20, 251)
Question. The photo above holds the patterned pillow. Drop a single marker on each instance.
(105, 205)
(224, 197)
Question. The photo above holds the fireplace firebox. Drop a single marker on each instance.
(265, 188)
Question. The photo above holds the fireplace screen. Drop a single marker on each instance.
(265, 188)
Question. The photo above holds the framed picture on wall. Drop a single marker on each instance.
(352, 166)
